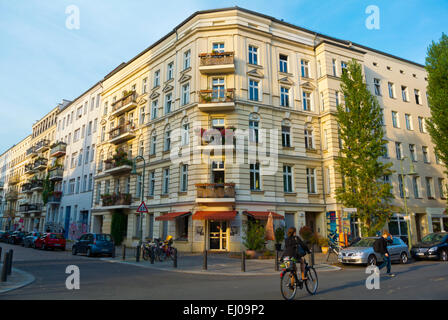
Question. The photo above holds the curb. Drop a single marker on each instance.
(29, 279)
(206, 272)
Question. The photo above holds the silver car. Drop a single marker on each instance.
(361, 252)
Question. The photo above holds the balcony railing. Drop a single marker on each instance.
(217, 100)
(216, 58)
(120, 199)
(40, 164)
(28, 208)
(37, 185)
(125, 104)
(55, 197)
(215, 190)
(58, 150)
(122, 133)
(29, 168)
(56, 173)
(42, 145)
(31, 151)
(26, 187)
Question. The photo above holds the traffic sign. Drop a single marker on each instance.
(142, 208)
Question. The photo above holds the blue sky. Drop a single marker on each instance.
(43, 62)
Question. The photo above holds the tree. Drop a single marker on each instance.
(118, 226)
(437, 124)
(362, 172)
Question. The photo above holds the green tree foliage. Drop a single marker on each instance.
(437, 68)
(118, 226)
(361, 132)
(254, 238)
(48, 187)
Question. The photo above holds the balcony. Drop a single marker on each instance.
(26, 187)
(30, 208)
(40, 164)
(215, 192)
(15, 179)
(58, 150)
(117, 168)
(31, 152)
(122, 133)
(56, 174)
(29, 168)
(42, 145)
(120, 200)
(55, 197)
(11, 195)
(225, 140)
(125, 104)
(217, 100)
(37, 185)
(216, 63)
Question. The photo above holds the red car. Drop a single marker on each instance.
(50, 240)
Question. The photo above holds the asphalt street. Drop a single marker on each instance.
(106, 280)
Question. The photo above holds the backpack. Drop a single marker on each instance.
(377, 245)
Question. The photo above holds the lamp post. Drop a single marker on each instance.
(142, 191)
(411, 173)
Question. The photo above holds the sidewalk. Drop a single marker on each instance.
(218, 264)
(16, 280)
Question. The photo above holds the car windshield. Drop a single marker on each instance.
(433, 238)
(366, 242)
(103, 237)
(56, 236)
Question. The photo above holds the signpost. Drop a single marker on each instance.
(142, 208)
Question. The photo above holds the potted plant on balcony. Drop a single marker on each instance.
(206, 98)
(253, 239)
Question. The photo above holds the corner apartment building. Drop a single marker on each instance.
(234, 69)
(73, 154)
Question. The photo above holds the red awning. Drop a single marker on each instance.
(263, 215)
(172, 216)
(214, 215)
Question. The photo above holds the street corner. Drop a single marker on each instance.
(16, 280)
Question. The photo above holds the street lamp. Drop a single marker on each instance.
(411, 173)
(142, 191)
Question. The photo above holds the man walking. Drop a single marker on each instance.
(381, 248)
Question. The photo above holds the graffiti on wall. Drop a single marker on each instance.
(76, 230)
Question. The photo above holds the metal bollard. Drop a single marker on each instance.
(175, 258)
(11, 252)
(137, 254)
(113, 252)
(4, 275)
(276, 260)
(204, 265)
(123, 249)
(243, 261)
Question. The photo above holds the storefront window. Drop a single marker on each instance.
(436, 225)
(398, 228)
(182, 228)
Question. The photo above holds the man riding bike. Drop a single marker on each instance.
(297, 249)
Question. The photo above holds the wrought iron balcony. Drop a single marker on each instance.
(55, 197)
(40, 164)
(215, 192)
(122, 133)
(58, 149)
(29, 168)
(42, 145)
(31, 152)
(125, 104)
(217, 100)
(120, 199)
(56, 174)
(30, 208)
(217, 63)
(26, 187)
(37, 185)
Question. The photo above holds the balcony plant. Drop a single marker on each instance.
(253, 239)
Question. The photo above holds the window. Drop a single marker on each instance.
(79, 113)
(218, 90)
(437, 157)
(253, 55)
(328, 178)
(395, 121)
(187, 55)
(185, 94)
(84, 184)
(98, 192)
(382, 117)
(153, 143)
(80, 158)
(142, 115)
(325, 139)
(95, 125)
(319, 69)
(144, 85)
(166, 180)
(334, 67)
(286, 135)
(253, 90)
(306, 101)
(336, 94)
(417, 96)
(412, 152)
(141, 149)
(311, 180)
(415, 186)
(376, 84)
(425, 154)
(441, 183)
(167, 139)
(404, 93)
(154, 107)
(284, 97)
(287, 178)
(400, 185)
(105, 110)
(157, 78)
(72, 163)
(170, 71)
(185, 137)
(218, 47)
(92, 103)
(309, 141)
(255, 176)
(304, 67)
(253, 128)
(398, 150)
(78, 184)
(408, 119)
(138, 189)
(385, 153)
(97, 100)
(90, 182)
(168, 102)
(420, 125)
(83, 131)
(283, 63)
(429, 188)
(103, 133)
(152, 183)
(343, 66)
(390, 85)
(386, 179)
(86, 160)
(184, 178)
(89, 128)
(76, 135)
(71, 186)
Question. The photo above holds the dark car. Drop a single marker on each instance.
(94, 244)
(4, 235)
(16, 237)
(432, 246)
(30, 238)
(50, 241)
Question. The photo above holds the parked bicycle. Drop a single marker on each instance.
(157, 249)
(289, 282)
(333, 244)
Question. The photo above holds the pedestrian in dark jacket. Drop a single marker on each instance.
(292, 244)
(384, 240)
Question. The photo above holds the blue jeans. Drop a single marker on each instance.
(386, 262)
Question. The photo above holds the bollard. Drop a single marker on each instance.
(11, 252)
(4, 275)
(312, 257)
(204, 265)
(137, 254)
(243, 261)
(175, 258)
(123, 249)
(276, 260)
(113, 252)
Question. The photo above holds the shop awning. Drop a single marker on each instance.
(263, 215)
(172, 216)
(214, 215)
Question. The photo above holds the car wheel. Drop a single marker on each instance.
(404, 258)
(444, 255)
(74, 252)
(371, 260)
(89, 252)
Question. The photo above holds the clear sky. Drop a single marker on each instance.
(43, 62)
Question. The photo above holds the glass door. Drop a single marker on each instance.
(218, 89)
(218, 235)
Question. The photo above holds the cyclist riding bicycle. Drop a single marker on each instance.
(296, 248)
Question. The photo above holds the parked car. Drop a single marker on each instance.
(361, 252)
(94, 244)
(16, 237)
(4, 235)
(50, 241)
(30, 238)
(432, 246)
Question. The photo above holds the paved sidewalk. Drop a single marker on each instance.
(219, 264)
(16, 280)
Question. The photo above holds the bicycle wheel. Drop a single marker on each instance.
(312, 282)
(145, 254)
(288, 285)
